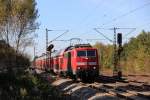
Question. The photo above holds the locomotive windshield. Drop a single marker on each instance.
(88, 53)
(81, 53)
(91, 53)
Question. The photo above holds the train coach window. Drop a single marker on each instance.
(91, 53)
(81, 53)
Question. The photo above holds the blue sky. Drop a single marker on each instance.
(81, 16)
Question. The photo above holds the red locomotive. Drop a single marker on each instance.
(78, 61)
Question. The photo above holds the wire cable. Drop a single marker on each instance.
(103, 35)
(130, 32)
(91, 12)
(59, 36)
(127, 13)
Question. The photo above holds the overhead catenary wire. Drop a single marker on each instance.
(97, 40)
(85, 39)
(127, 13)
(90, 13)
(103, 35)
(59, 36)
(148, 23)
(135, 29)
(62, 40)
(123, 15)
(132, 30)
(115, 28)
(94, 39)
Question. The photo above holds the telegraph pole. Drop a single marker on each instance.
(115, 54)
(46, 52)
(46, 40)
(46, 46)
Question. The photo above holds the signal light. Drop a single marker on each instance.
(50, 47)
(119, 38)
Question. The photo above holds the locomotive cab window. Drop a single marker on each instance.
(81, 53)
(88, 53)
(91, 53)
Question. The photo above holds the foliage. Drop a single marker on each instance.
(17, 22)
(25, 86)
(135, 57)
(137, 53)
(10, 59)
(105, 55)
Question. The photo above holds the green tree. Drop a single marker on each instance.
(10, 59)
(137, 53)
(105, 55)
(135, 57)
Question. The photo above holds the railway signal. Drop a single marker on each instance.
(49, 51)
(50, 47)
(119, 50)
(117, 42)
(119, 38)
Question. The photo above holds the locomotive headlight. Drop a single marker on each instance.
(81, 63)
(94, 67)
(78, 67)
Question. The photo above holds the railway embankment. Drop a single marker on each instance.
(26, 86)
(110, 90)
(46, 86)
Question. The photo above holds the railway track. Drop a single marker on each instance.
(99, 91)
(123, 91)
(119, 90)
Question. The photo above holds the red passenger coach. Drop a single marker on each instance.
(40, 63)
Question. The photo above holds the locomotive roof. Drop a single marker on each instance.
(78, 46)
